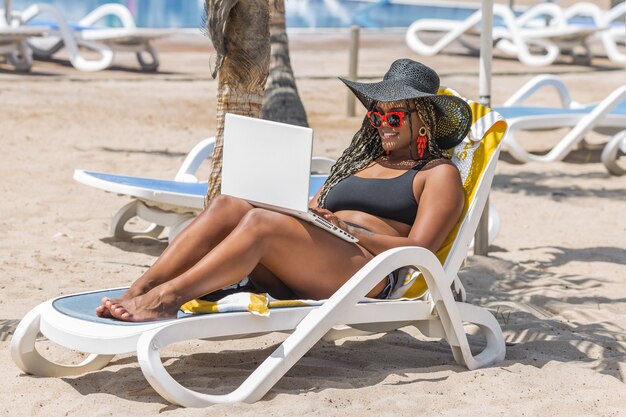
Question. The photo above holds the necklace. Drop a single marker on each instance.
(402, 164)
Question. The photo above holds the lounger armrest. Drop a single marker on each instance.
(321, 165)
(541, 12)
(111, 9)
(193, 160)
(536, 84)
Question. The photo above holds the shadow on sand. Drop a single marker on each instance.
(350, 365)
(530, 183)
(145, 245)
(551, 317)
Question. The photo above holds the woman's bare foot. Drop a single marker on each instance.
(152, 306)
(103, 310)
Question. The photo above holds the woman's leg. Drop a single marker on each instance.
(311, 262)
(211, 226)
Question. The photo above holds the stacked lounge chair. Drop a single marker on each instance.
(537, 37)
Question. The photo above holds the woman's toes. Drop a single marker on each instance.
(116, 310)
(103, 312)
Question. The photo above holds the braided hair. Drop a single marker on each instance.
(366, 147)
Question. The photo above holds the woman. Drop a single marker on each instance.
(395, 163)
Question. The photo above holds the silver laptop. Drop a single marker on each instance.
(269, 165)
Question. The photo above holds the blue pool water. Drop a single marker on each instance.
(299, 13)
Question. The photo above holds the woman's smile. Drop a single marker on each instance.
(390, 135)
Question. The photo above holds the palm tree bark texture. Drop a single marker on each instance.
(282, 102)
(239, 31)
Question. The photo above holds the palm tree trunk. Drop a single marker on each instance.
(239, 31)
(281, 102)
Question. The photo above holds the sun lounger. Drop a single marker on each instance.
(170, 203)
(13, 40)
(105, 41)
(71, 322)
(607, 117)
(517, 36)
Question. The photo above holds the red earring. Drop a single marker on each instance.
(422, 139)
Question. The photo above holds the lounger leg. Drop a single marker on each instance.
(452, 314)
(122, 217)
(452, 323)
(495, 350)
(611, 153)
(179, 227)
(28, 359)
(153, 64)
(22, 59)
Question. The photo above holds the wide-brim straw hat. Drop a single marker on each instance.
(408, 79)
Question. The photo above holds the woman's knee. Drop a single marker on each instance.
(226, 205)
(261, 222)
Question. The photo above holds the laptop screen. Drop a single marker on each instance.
(267, 162)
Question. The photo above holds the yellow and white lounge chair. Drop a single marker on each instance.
(426, 301)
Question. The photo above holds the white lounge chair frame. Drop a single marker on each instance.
(439, 316)
(615, 35)
(13, 41)
(145, 203)
(163, 209)
(519, 37)
(614, 154)
(105, 41)
(599, 119)
(611, 25)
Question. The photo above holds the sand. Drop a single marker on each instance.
(554, 277)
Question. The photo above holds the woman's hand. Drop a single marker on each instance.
(330, 216)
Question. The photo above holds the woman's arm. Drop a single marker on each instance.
(440, 206)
